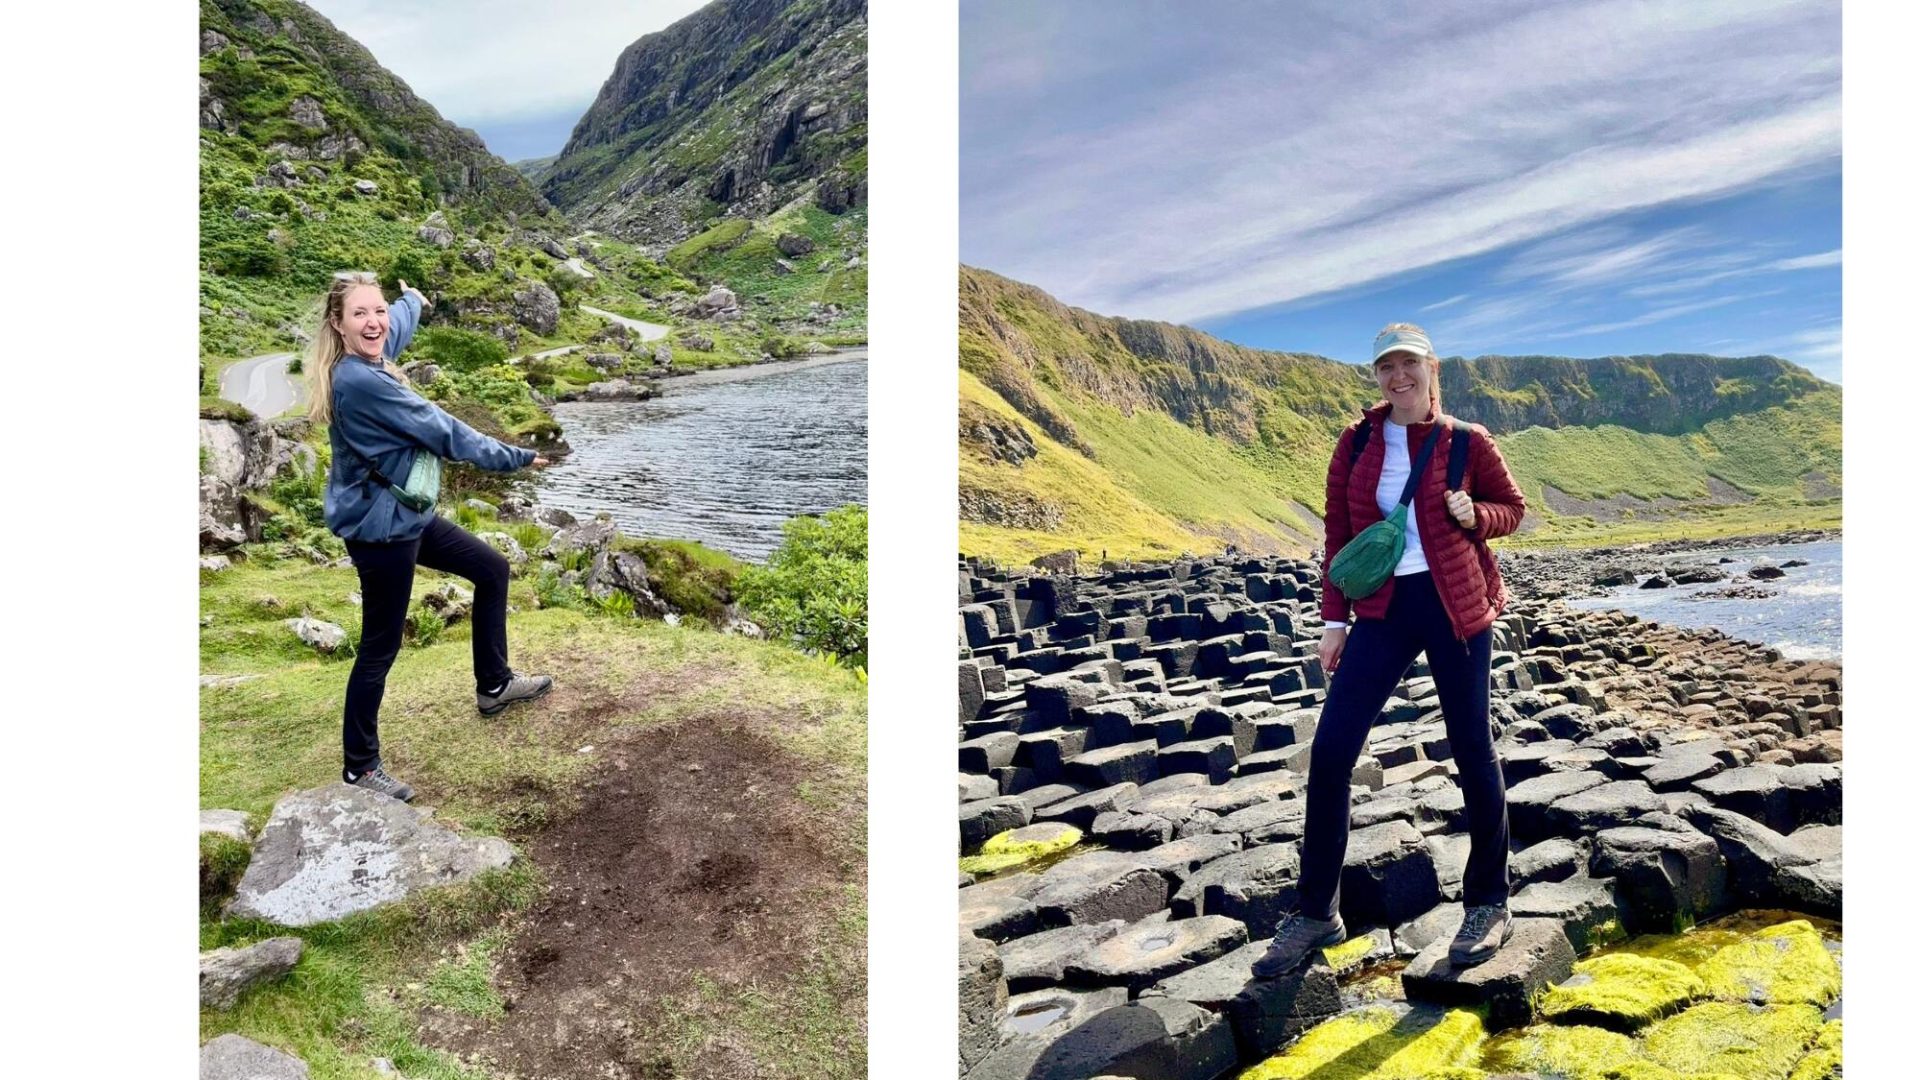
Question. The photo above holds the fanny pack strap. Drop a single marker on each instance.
(1420, 465)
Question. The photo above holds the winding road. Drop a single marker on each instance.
(262, 385)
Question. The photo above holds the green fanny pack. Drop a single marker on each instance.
(421, 492)
(1367, 560)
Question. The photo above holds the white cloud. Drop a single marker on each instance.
(1448, 302)
(1807, 262)
(1296, 171)
(487, 61)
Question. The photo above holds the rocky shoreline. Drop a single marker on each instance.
(1133, 750)
(1570, 572)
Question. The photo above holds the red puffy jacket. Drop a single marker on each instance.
(1465, 573)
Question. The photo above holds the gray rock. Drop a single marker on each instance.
(1266, 1014)
(1152, 1039)
(1580, 905)
(505, 544)
(718, 301)
(1053, 1011)
(982, 820)
(216, 563)
(1619, 803)
(236, 1057)
(983, 999)
(1755, 854)
(1388, 876)
(1040, 960)
(1528, 801)
(1081, 810)
(793, 245)
(537, 308)
(1099, 886)
(225, 974)
(1442, 921)
(365, 188)
(1255, 887)
(331, 851)
(1549, 860)
(592, 535)
(1178, 859)
(624, 572)
(324, 637)
(1148, 951)
(994, 915)
(1536, 957)
(228, 823)
(1664, 879)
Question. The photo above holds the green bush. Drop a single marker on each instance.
(425, 626)
(782, 347)
(813, 590)
(410, 265)
(240, 258)
(459, 350)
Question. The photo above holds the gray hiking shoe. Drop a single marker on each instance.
(1484, 929)
(376, 780)
(518, 688)
(1297, 939)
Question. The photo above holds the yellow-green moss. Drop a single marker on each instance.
(1348, 953)
(990, 864)
(1009, 849)
(1029, 846)
(1780, 965)
(1626, 992)
(1607, 933)
(1743, 1041)
(1574, 1052)
(1823, 1062)
(1381, 1043)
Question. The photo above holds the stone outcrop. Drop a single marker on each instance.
(1169, 711)
(332, 851)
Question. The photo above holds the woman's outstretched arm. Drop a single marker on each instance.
(404, 413)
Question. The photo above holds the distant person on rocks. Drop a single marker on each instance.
(1442, 599)
(377, 423)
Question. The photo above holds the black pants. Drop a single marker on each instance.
(1377, 656)
(386, 585)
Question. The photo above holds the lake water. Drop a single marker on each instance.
(721, 457)
(1802, 619)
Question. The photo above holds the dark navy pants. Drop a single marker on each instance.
(1377, 656)
(386, 585)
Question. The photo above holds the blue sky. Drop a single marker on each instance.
(519, 74)
(1585, 178)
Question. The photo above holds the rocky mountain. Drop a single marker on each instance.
(734, 111)
(1098, 433)
(281, 76)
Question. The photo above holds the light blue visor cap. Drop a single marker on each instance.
(1402, 341)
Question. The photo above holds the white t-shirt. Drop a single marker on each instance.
(1393, 479)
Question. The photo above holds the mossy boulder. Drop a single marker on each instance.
(1622, 992)
(1382, 1043)
(1780, 965)
(1823, 1061)
(1744, 1041)
(1574, 1052)
(1014, 847)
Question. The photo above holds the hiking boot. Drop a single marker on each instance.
(1485, 928)
(518, 688)
(1297, 939)
(376, 780)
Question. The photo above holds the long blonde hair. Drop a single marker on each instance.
(327, 346)
(1433, 362)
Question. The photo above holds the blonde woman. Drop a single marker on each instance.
(376, 424)
(1442, 599)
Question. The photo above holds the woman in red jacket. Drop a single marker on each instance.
(1442, 599)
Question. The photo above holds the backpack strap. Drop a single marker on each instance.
(1359, 443)
(1457, 448)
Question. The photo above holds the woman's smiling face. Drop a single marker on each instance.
(363, 321)
(1404, 378)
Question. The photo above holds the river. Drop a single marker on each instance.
(722, 457)
(1802, 619)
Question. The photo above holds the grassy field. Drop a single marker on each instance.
(366, 984)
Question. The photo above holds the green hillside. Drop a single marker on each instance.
(1145, 439)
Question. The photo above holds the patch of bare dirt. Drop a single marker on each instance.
(689, 854)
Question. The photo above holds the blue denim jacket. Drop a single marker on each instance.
(374, 417)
